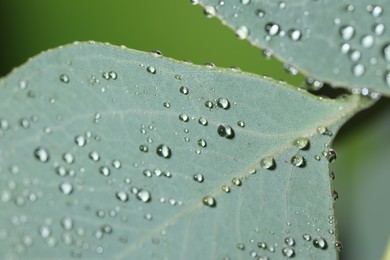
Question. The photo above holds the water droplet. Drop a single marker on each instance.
(143, 148)
(267, 162)
(67, 223)
(375, 10)
(358, 70)
(225, 131)
(107, 229)
(242, 32)
(209, 104)
(272, 29)
(347, 32)
(295, 34)
(298, 160)
(241, 123)
(122, 196)
(198, 177)
(183, 117)
(209, 11)
(367, 41)
(203, 121)
(184, 90)
(262, 245)
(240, 246)
(320, 243)
(289, 241)
(307, 237)
(236, 181)
(378, 28)
(68, 158)
(116, 164)
(4, 124)
(245, 2)
(66, 188)
(260, 13)
(387, 78)
(23, 122)
(112, 75)
(164, 151)
(94, 156)
(151, 70)
(223, 103)
(209, 201)
(225, 188)
(44, 231)
(42, 154)
(322, 130)
(80, 140)
(354, 55)
(301, 143)
(330, 155)
(105, 171)
(144, 195)
(64, 78)
(288, 252)
(202, 143)
(386, 51)
(339, 246)
(156, 53)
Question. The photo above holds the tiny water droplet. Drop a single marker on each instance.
(68, 158)
(240, 246)
(67, 223)
(80, 140)
(209, 104)
(203, 121)
(184, 90)
(272, 29)
(223, 103)
(143, 148)
(347, 32)
(307, 237)
(164, 151)
(320, 243)
(367, 41)
(375, 10)
(144, 195)
(298, 160)
(225, 131)
(66, 188)
(209, 201)
(301, 143)
(242, 32)
(151, 70)
(245, 2)
(112, 75)
(288, 252)
(378, 28)
(339, 246)
(202, 143)
(116, 164)
(183, 117)
(122, 196)
(156, 53)
(295, 34)
(289, 241)
(225, 188)
(330, 155)
(198, 178)
(260, 13)
(64, 78)
(267, 162)
(262, 245)
(94, 156)
(241, 123)
(322, 130)
(386, 51)
(167, 104)
(358, 70)
(236, 181)
(335, 195)
(42, 154)
(209, 11)
(105, 171)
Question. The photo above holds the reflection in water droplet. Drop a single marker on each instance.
(209, 201)
(320, 243)
(164, 151)
(42, 154)
(298, 160)
(122, 196)
(66, 188)
(301, 143)
(144, 195)
(225, 131)
(267, 162)
(198, 177)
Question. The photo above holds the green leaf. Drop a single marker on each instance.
(338, 42)
(113, 153)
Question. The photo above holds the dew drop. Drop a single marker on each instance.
(267, 162)
(209, 104)
(322, 130)
(64, 78)
(209, 201)
(202, 143)
(67, 223)
(242, 32)
(225, 131)
(301, 143)
(94, 156)
(68, 158)
(289, 241)
(66, 188)
(288, 252)
(143, 148)
(112, 75)
(295, 34)
(367, 41)
(375, 10)
(24, 123)
(236, 181)
(151, 70)
(198, 178)
(80, 140)
(144, 195)
(209, 11)
(122, 196)
(272, 29)
(339, 246)
(223, 103)
(358, 70)
(240, 246)
(320, 243)
(44, 231)
(167, 104)
(116, 164)
(164, 151)
(330, 155)
(225, 188)
(387, 78)
(262, 245)
(105, 171)
(386, 51)
(260, 13)
(42, 154)
(203, 121)
(307, 237)
(184, 90)
(245, 2)
(347, 32)
(241, 123)
(298, 160)
(183, 117)
(378, 28)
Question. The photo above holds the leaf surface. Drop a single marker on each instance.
(339, 42)
(107, 152)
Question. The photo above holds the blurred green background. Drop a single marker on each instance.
(180, 31)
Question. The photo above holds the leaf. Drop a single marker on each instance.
(113, 153)
(338, 42)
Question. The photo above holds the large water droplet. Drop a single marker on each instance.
(301, 143)
(198, 177)
(347, 32)
(272, 29)
(320, 243)
(122, 196)
(209, 201)
(94, 156)
(80, 140)
(42, 154)
(225, 131)
(151, 70)
(288, 252)
(289, 241)
(223, 103)
(267, 162)
(298, 160)
(144, 195)
(164, 151)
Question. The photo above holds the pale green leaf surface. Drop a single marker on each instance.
(117, 116)
(309, 35)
